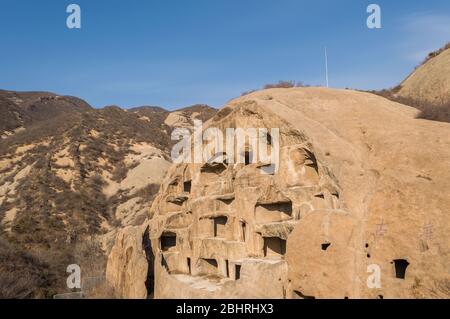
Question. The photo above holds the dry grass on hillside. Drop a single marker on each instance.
(429, 111)
(436, 53)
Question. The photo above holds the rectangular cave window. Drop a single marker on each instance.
(274, 247)
(268, 139)
(278, 207)
(400, 268)
(212, 262)
(189, 265)
(248, 158)
(227, 268)
(243, 230)
(219, 226)
(187, 186)
(273, 212)
(168, 241)
(237, 272)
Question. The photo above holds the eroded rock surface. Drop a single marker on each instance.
(128, 264)
(361, 184)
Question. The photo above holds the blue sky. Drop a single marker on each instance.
(175, 53)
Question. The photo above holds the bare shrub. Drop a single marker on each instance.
(282, 84)
(22, 274)
(436, 53)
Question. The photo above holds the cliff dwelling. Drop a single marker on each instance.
(219, 226)
(400, 266)
(274, 247)
(305, 229)
(168, 241)
(310, 227)
(240, 221)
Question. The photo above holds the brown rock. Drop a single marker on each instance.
(361, 182)
(128, 265)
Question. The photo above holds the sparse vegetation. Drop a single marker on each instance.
(428, 110)
(436, 53)
(282, 84)
(60, 205)
(439, 110)
(23, 275)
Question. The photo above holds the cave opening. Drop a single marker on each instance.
(325, 246)
(189, 266)
(268, 139)
(273, 212)
(274, 247)
(187, 186)
(147, 247)
(248, 157)
(168, 241)
(219, 226)
(400, 268)
(243, 230)
(237, 272)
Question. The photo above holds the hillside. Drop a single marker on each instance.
(427, 88)
(359, 185)
(69, 173)
(430, 82)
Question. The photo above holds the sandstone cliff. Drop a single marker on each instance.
(362, 183)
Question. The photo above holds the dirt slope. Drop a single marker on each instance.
(68, 174)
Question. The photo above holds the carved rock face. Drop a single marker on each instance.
(345, 197)
(240, 218)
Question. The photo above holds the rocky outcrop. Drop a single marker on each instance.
(128, 265)
(359, 192)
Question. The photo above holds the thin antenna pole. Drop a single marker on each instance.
(326, 66)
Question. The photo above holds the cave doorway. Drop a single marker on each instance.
(147, 247)
(274, 247)
(219, 226)
(243, 231)
(189, 266)
(237, 272)
(400, 268)
(168, 241)
(187, 186)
